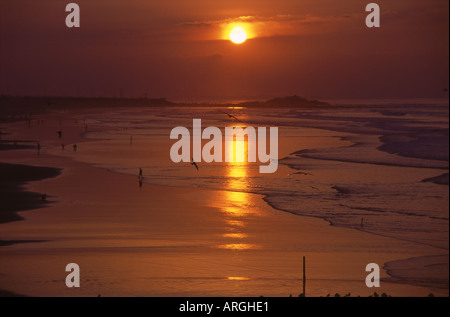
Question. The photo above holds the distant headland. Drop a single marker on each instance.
(288, 102)
(20, 105)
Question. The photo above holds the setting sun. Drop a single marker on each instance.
(238, 35)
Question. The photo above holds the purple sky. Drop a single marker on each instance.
(176, 49)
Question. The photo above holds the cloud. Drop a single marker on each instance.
(262, 26)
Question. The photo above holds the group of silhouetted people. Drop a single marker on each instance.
(38, 145)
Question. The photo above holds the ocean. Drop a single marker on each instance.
(379, 167)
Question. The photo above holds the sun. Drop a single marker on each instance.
(238, 35)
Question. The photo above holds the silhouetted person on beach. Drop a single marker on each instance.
(141, 173)
(75, 147)
(59, 134)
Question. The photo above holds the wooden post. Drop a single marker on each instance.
(304, 276)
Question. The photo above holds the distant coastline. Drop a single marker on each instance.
(14, 108)
(27, 105)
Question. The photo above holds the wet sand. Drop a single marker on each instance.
(148, 240)
(156, 241)
(12, 196)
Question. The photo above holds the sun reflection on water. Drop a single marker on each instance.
(238, 278)
(239, 246)
(236, 235)
(236, 204)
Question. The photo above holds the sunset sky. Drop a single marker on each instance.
(180, 49)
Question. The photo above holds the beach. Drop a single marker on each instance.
(12, 197)
(178, 233)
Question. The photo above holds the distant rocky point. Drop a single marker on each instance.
(291, 101)
(16, 107)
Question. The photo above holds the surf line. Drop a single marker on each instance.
(212, 151)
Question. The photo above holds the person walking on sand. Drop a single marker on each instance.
(141, 173)
(75, 147)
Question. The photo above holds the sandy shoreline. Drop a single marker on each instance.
(13, 198)
(192, 234)
(144, 234)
